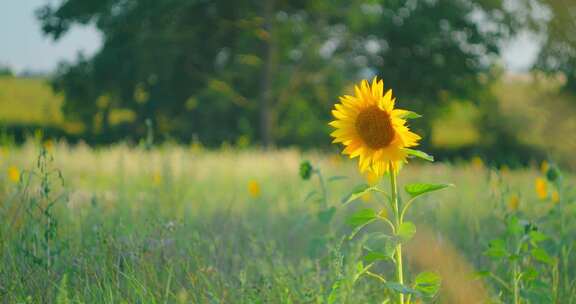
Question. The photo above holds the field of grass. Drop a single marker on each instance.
(182, 225)
(29, 101)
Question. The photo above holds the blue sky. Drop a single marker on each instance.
(24, 48)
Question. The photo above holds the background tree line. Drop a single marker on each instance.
(268, 71)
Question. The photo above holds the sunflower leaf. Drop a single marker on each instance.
(361, 218)
(403, 289)
(410, 115)
(406, 231)
(373, 256)
(541, 256)
(415, 190)
(419, 154)
(336, 178)
(427, 283)
(358, 192)
(325, 216)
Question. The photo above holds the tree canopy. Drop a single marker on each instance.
(268, 71)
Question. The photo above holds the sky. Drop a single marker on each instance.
(23, 48)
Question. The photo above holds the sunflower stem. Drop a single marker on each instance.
(398, 218)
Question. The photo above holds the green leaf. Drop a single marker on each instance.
(361, 217)
(496, 249)
(513, 225)
(410, 115)
(538, 291)
(415, 190)
(309, 195)
(427, 283)
(419, 154)
(373, 256)
(537, 236)
(530, 274)
(336, 178)
(381, 242)
(325, 216)
(390, 248)
(481, 274)
(541, 255)
(335, 292)
(358, 192)
(406, 231)
(397, 287)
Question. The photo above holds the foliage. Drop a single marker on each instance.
(267, 67)
(558, 53)
(529, 256)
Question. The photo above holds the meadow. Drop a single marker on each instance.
(178, 224)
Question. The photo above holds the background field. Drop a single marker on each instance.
(179, 224)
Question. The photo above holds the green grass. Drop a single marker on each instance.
(29, 101)
(178, 225)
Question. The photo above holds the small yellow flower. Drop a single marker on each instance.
(254, 188)
(555, 197)
(14, 174)
(477, 163)
(371, 178)
(544, 166)
(513, 202)
(541, 188)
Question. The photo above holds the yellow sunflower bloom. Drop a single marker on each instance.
(513, 202)
(254, 189)
(14, 174)
(541, 188)
(370, 128)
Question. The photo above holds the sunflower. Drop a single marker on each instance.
(370, 128)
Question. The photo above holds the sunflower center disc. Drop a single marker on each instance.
(374, 127)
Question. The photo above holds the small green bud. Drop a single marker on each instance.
(305, 170)
(552, 174)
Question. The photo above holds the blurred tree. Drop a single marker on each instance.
(271, 70)
(558, 53)
(5, 71)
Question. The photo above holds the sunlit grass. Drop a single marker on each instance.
(175, 222)
(29, 101)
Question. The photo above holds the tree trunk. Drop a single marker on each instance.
(266, 107)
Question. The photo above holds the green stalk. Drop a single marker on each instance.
(515, 278)
(515, 283)
(397, 216)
